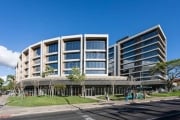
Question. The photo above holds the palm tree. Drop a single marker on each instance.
(78, 77)
(159, 68)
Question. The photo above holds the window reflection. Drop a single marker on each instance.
(72, 64)
(53, 47)
(96, 44)
(95, 55)
(72, 45)
(72, 56)
(95, 64)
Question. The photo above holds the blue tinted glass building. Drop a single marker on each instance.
(135, 55)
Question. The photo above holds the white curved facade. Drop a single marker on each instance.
(89, 52)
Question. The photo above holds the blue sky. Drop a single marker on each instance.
(24, 22)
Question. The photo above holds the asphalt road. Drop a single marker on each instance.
(159, 110)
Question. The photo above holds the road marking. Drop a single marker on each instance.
(86, 117)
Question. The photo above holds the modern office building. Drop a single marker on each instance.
(135, 55)
(112, 54)
(107, 69)
(88, 52)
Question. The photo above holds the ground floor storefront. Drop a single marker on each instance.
(92, 86)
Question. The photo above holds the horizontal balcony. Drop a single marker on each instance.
(71, 51)
(141, 78)
(36, 72)
(67, 69)
(95, 50)
(36, 57)
(161, 52)
(95, 59)
(162, 41)
(95, 68)
(139, 48)
(37, 64)
(53, 53)
(139, 66)
(140, 41)
(139, 54)
(158, 42)
(127, 74)
(48, 62)
(71, 60)
(143, 59)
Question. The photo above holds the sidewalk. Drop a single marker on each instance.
(9, 111)
(3, 100)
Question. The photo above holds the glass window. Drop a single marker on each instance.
(150, 41)
(149, 48)
(111, 56)
(95, 72)
(91, 64)
(149, 54)
(128, 54)
(131, 42)
(52, 58)
(96, 44)
(150, 34)
(127, 66)
(37, 52)
(36, 74)
(129, 48)
(72, 64)
(144, 74)
(72, 45)
(53, 65)
(128, 60)
(53, 48)
(72, 56)
(68, 72)
(111, 50)
(95, 55)
(150, 61)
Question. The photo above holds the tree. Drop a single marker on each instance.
(60, 89)
(171, 69)
(78, 77)
(12, 82)
(49, 71)
(1, 83)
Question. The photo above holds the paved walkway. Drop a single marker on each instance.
(9, 111)
(3, 100)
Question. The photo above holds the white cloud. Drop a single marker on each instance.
(8, 58)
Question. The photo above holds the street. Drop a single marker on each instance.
(155, 110)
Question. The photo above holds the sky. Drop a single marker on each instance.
(25, 22)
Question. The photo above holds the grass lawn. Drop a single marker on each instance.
(121, 97)
(176, 93)
(114, 98)
(32, 101)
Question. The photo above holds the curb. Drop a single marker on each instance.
(75, 107)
